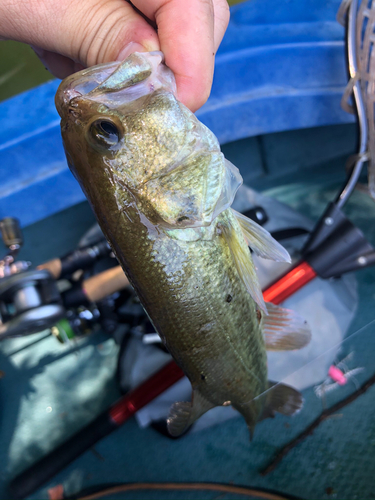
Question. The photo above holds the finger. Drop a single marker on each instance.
(113, 28)
(221, 20)
(87, 32)
(57, 64)
(186, 35)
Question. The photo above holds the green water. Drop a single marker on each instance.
(20, 69)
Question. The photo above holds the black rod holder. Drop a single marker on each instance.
(337, 246)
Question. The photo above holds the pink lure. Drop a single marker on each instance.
(337, 375)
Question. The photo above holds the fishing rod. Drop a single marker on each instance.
(336, 246)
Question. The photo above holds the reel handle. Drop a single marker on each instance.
(11, 233)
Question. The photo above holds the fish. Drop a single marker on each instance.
(162, 192)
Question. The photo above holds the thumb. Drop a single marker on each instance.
(86, 32)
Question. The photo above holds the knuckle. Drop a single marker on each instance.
(96, 38)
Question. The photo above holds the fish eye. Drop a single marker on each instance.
(104, 133)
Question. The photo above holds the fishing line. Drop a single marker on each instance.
(222, 488)
(357, 332)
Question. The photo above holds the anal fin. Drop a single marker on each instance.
(183, 414)
(284, 330)
(283, 399)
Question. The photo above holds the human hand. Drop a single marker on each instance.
(68, 35)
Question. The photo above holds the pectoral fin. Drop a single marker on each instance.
(260, 240)
(284, 330)
(283, 399)
(183, 414)
(244, 263)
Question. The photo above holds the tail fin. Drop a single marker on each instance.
(283, 399)
(278, 398)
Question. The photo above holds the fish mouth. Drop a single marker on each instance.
(81, 83)
(116, 83)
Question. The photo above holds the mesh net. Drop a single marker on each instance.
(366, 66)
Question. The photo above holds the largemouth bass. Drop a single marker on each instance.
(161, 191)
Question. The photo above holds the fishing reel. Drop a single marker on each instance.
(58, 295)
(29, 300)
(29, 303)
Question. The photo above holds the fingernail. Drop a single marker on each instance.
(130, 49)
